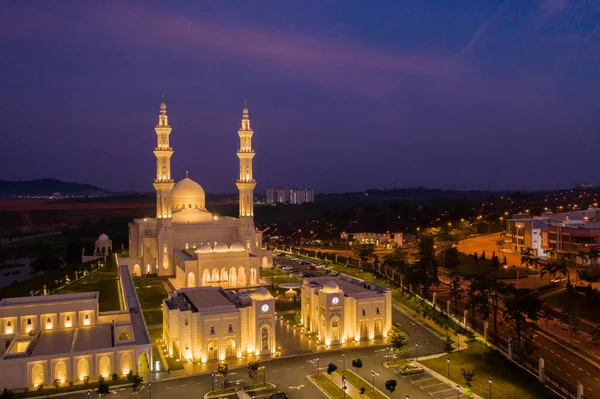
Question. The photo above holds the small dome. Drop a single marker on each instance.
(187, 194)
(204, 249)
(261, 294)
(237, 247)
(103, 237)
(330, 287)
(220, 247)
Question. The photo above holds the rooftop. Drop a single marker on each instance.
(206, 297)
(140, 331)
(48, 299)
(350, 286)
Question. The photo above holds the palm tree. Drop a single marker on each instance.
(593, 256)
(562, 267)
(520, 305)
(550, 269)
(527, 256)
(500, 244)
(551, 253)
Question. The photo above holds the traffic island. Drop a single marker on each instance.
(251, 390)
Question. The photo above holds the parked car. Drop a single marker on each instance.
(282, 255)
(278, 395)
(409, 368)
(311, 267)
(305, 262)
(287, 268)
(320, 267)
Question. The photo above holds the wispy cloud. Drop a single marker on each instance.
(482, 29)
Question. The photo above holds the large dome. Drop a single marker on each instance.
(187, 194)
(261, 294)
(330, 287)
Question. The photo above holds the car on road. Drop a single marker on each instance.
(320, 267)
(287, 268)
(282, 255)
(311, 267)
(305, 262)
(278, 395)
(410, 368)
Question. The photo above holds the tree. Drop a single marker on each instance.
(456, 289)
(448, 344)
(365, 251)
(482, 255)
(137, 383)
(396, 259)
(527, 255)
(546, 313)
(520, 305)
(103, 388)
(390, 385)
(550, 269)
(331, 367)
(56, 384)
(253, 368)
(494, 290)
(424, 272)
(469, 376)
(500, 244)
(451, 258)
(222, 371)
(114, 376)
(397, 339)
(6, 394)
(596, 336)
(357, 364)
(86, 381)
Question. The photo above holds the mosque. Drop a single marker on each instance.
(187, 242)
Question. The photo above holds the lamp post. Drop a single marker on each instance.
(417, 352)
(448, 361)
(457, 391)
(88, 393)
(317, 366)
(150, 390)
(373, 384)
(457, 341)
(344, 363)
(264, 374)
(212, 381)
(490, 381)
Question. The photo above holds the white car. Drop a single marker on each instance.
(319, 266)
(287, 268)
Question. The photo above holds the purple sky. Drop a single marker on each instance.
(343, 95)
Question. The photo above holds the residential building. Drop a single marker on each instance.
(361, 238)
(287, 195)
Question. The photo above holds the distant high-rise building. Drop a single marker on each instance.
(287, 195)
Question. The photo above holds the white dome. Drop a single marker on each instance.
(330, 287)
(187, 194)
(237, 247)
(220, 247)
(204, 249)
(103, 237)
(261, 294)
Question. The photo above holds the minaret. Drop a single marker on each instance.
(246, 183)
(163, 184)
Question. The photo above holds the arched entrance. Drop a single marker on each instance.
(215, 276)
(191, 280)
(230, 349)
(104, 366)
(143, 363)
(265, 341)
(232, 277)
(83, 368)
(242, 277)
(125, 363)
(136, 270)
(335, 331)
(213, 350)
(37, 375)
(265, 261)
(364, 330)
(307, 322)
(253, 277)
(378, 328)
(60, 372)
(224, 275)
(205, 277)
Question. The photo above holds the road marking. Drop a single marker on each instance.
(596, 378)
(445, 390)
(589, 375)
(298, 387)
(580, 369)
(167, 387)
(423, 379)
(432, 385)
(287, 369)
(551, 351)
(274, 371)
(183, 385)
(568, 375)
(558, 368)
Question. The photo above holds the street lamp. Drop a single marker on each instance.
(317, 366)
(212, 380)
(344, 363)
(417, 352)
(88, 392)
(457, 391)
(264, 374)
(457, 341)
(448, 361)
(373, 384)
(150, 390)
(490, 381)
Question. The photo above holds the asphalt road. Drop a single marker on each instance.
(289, 374)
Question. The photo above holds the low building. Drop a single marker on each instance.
(286, 195)
(566, 233)
(371, 238)
(209, 324)
(65, 338)
(339, 309)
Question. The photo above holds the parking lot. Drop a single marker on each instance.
(429, 384)
(297, 266)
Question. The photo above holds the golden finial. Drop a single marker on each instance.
(162, 98)
(245, 104)
(186, 174)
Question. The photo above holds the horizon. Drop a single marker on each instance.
(492, 96)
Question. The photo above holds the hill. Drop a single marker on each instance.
(48, 187)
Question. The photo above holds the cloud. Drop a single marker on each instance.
(482, 29)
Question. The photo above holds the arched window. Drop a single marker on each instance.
(364, 313)
(9, 324)
(377, 311)
(265, 338)
(86, 320)
(190, 206)
(28, 322)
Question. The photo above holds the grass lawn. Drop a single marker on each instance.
(150, 292)
(152, 317)
(106, 282)
(575, 303)
(509, 381)
(328, 386)
(359, 382)
(278, 276)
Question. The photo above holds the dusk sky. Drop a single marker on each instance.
(343, 95)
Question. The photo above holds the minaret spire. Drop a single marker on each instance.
(163, 152)
(246, 182)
